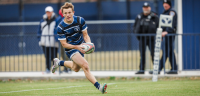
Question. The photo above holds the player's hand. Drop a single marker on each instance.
(164, 33)
(80, 48)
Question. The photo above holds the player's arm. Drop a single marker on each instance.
(63, 41)
(84, 31)
(86, 36)
(67, 45)
(70, 46)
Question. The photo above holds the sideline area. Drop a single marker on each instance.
(100, 74)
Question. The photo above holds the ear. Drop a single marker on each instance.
(63, 14)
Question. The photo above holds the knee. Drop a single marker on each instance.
(85, 66)
(77, 69)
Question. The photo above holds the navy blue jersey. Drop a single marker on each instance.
(72, 32)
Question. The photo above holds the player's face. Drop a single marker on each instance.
(166, 6)
(48, 14)
(146, 10)
(68, 14)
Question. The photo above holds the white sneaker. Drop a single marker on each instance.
(55, 66)
(103, 88)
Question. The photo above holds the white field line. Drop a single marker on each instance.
(48, 88)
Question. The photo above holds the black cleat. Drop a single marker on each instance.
(172, 72)
(140, 72)
(151, 72)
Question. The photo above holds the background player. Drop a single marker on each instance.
(72, 32)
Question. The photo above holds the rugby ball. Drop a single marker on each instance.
(88, 48)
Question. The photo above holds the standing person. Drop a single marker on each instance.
(146, 23)
(72, 32)
(168, 41)
(46, 37)
(63, 55)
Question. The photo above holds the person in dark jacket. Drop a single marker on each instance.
(146, 23)
(168, 41)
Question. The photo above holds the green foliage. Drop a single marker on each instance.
(112, 78)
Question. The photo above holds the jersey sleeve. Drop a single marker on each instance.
(84, 26)
(61, 35)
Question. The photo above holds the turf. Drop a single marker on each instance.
(115, 88)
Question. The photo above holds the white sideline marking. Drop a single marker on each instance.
(21, 91)
(111, 83)
(48, 88)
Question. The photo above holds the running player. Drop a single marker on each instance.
(72, 32)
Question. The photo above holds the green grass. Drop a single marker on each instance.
(120, 87)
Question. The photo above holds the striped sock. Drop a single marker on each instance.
(61, 63)
(97, 85)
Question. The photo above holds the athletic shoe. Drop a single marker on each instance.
(55, 66)
(140, 72)
(172, 72)
(151, 72)
(47, 71)
(103, 88)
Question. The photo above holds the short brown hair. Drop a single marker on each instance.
(67, 5)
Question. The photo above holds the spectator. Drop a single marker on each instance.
(168, 41)
(46, 37)
(146, 23)
(64, 56)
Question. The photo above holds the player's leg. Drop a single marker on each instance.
(64, 57)
(77, 63)
(80, 61)
(68, 64)
(72, 65)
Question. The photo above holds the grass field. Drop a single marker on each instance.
(105, 60)
(121, 87)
